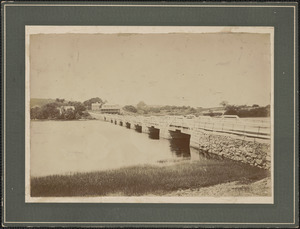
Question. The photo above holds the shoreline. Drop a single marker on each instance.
(261, 188)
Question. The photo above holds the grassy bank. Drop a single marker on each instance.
(259, 188)
(145, 180)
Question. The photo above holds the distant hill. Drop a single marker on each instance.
(40, 102)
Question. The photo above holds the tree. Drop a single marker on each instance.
(142, 108)
(253, 112)
(130, 108)
(70, 114)
(60, 100)
(50, 111)
(56, 110)
(35, 113)
(192, 110)
(141, 105)
(231, 110)
(79, 107)
(224, 103)
(211, 113)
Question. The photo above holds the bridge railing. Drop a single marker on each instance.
(245, 127)
(237, 127)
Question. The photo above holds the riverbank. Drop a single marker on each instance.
(160, 180)
(231, 189)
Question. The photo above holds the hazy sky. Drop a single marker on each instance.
(198, 70)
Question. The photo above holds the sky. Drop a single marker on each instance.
(199, 70)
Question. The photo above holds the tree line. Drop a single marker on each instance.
(143, 109)
(243, 112)
(240, 110)
(60, 110)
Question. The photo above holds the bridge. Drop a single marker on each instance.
(239, 139)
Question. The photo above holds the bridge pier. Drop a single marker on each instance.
(138, 128)
(153, 132)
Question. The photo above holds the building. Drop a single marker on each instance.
(96, 106)
(110, 109)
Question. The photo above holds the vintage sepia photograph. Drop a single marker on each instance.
(149, 114)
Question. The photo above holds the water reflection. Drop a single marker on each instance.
(180, 147)
(209, 156)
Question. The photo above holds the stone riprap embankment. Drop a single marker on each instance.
(247, 151)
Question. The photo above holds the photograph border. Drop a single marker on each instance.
(295, 166)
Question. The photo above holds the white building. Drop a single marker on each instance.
(111, 109)
(96, 106)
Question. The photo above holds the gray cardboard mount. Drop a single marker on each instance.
(282, 16)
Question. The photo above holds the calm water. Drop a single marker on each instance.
(63, 147)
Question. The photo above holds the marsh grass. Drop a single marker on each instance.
(145, 179)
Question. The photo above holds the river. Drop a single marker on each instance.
(67, 147)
